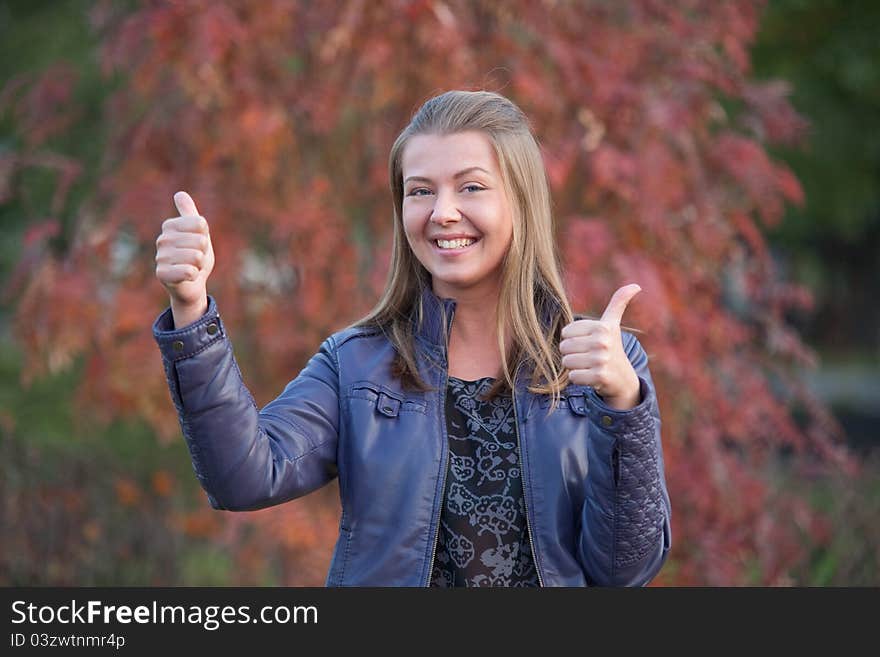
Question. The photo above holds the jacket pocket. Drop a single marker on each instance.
(574, 399)
(387, 402)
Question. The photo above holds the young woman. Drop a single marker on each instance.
(482, 435)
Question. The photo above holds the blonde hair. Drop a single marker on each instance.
(532, 306)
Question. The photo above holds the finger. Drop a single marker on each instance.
(571, 346)
(583, 378)
(193, 257)
(580, 362)
(617, 305)
(578, 328)
(188, 224)
(184, 204)
(183, 240)
(599, 339)
(176, 273)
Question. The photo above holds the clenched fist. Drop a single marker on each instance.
(592, 352)
(184, 261)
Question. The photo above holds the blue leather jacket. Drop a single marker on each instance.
(596, 502)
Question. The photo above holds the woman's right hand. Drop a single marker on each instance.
(185, 260)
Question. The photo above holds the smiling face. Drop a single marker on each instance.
(456, 215)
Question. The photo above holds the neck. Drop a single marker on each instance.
(473, 341)
(475, 322)
(475, 311)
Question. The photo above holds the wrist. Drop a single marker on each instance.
(628, 399)
(186, 313)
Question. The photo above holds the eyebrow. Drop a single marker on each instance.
(461, 173)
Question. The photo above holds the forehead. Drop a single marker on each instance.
(436, 156)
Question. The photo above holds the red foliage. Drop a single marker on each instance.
(277, 117)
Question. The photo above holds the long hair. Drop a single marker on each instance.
(532, 306)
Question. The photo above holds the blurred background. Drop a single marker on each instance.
(724, 155)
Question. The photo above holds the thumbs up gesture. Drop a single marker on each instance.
(184, 260)
(592, 352)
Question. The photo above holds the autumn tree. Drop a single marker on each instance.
(278, 117)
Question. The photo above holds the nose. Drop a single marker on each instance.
(445, 211)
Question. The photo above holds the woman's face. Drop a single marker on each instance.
(455, 213)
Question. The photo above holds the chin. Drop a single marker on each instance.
(455, 283)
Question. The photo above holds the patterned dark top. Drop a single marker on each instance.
(483, 538)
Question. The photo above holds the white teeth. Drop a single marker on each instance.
(455, 244)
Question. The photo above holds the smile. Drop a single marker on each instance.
(459, 243)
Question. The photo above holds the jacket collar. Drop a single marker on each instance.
(433, 318)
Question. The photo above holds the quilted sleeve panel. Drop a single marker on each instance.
(639, 510)
(625, 522)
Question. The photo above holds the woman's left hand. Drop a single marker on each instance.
(592, 352)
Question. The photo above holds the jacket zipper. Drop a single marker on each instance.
(523, 479)
(445, 466)
(444, 447)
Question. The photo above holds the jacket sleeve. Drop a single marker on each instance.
(625, 522)
(247, 458)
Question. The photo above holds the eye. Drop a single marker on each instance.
(473, 188)
(418, 191)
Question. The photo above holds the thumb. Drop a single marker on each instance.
(185, 205)
(617, 305)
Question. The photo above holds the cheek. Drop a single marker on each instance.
(502, 223)
(412, 224)
(409, 228)
(412, 231)
(506, 233)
